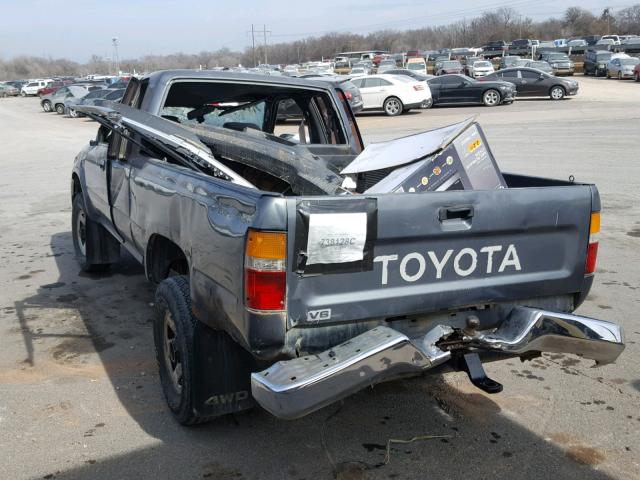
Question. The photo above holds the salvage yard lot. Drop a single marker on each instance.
(79, 393)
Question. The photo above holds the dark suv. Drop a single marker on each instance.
(595, 62)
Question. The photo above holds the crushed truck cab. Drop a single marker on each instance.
(295, 267)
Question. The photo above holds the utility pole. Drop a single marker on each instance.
(264, 31)
(253, 43)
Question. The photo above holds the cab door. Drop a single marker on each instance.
(533, 83)
(371, 92)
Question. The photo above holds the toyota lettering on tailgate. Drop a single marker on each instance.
(413, 266)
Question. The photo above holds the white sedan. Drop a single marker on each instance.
(481, 68)
(394, 94)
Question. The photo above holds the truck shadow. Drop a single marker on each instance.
(350, 438)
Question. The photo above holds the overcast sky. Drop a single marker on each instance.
(76, 29)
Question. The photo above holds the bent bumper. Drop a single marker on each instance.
(294, 388)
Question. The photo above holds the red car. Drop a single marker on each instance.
(51, 87)
(636, 73)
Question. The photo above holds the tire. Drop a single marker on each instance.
(557, 93)
(393, 106)
(491, 98)
(607, 74)
(637, 77)
(60, 109)
(46, 106)
(73, 113)
(428, 104)
(619, 75)
(22, 94)
(173, 329)
(80, 225)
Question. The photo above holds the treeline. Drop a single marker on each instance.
(501, 24)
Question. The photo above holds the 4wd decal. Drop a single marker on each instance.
(226, 398)
(413, 266)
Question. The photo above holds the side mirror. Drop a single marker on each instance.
(93, 143)
(541, 77)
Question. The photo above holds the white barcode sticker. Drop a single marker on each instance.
(336, 237)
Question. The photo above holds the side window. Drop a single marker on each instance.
(384, 83)
(63, 91)
(372, 82)
(104, 135)
(452, 80)
(510, 74)
(529, 75)
(357, 82)
(117, 147)
(132, 93)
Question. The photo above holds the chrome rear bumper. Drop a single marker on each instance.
(294, 388)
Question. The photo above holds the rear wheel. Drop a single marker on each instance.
(491, 98)
(23, 94)
(60, 109)
(557, 93)
(393, 106)
(427, 103)
(184, 374)
(81, 225)
(46, 106)
(73, 113)
(619, 75)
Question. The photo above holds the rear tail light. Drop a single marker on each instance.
(265, 262)
(592, 248)
(348, 95)
(418, 87)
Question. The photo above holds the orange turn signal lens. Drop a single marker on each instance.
(267, 245)
(595, 223)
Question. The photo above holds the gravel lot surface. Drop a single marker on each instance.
(79, 393)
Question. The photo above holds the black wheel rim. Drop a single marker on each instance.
(81, 232)
(172, 357)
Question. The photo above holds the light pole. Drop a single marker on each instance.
(114, 56)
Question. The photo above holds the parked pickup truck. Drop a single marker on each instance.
(280, 284)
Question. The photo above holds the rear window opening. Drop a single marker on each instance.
(265, 108)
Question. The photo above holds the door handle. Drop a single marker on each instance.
(460, 212)
(101, 163)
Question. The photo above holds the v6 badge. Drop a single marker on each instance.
(319, 315)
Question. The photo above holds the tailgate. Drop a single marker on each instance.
(437, 251)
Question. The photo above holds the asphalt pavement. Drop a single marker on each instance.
(79, 391)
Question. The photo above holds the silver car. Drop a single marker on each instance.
(88, 99)
(57, 100)
(622, 67)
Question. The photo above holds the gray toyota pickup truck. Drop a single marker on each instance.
(291, 276)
